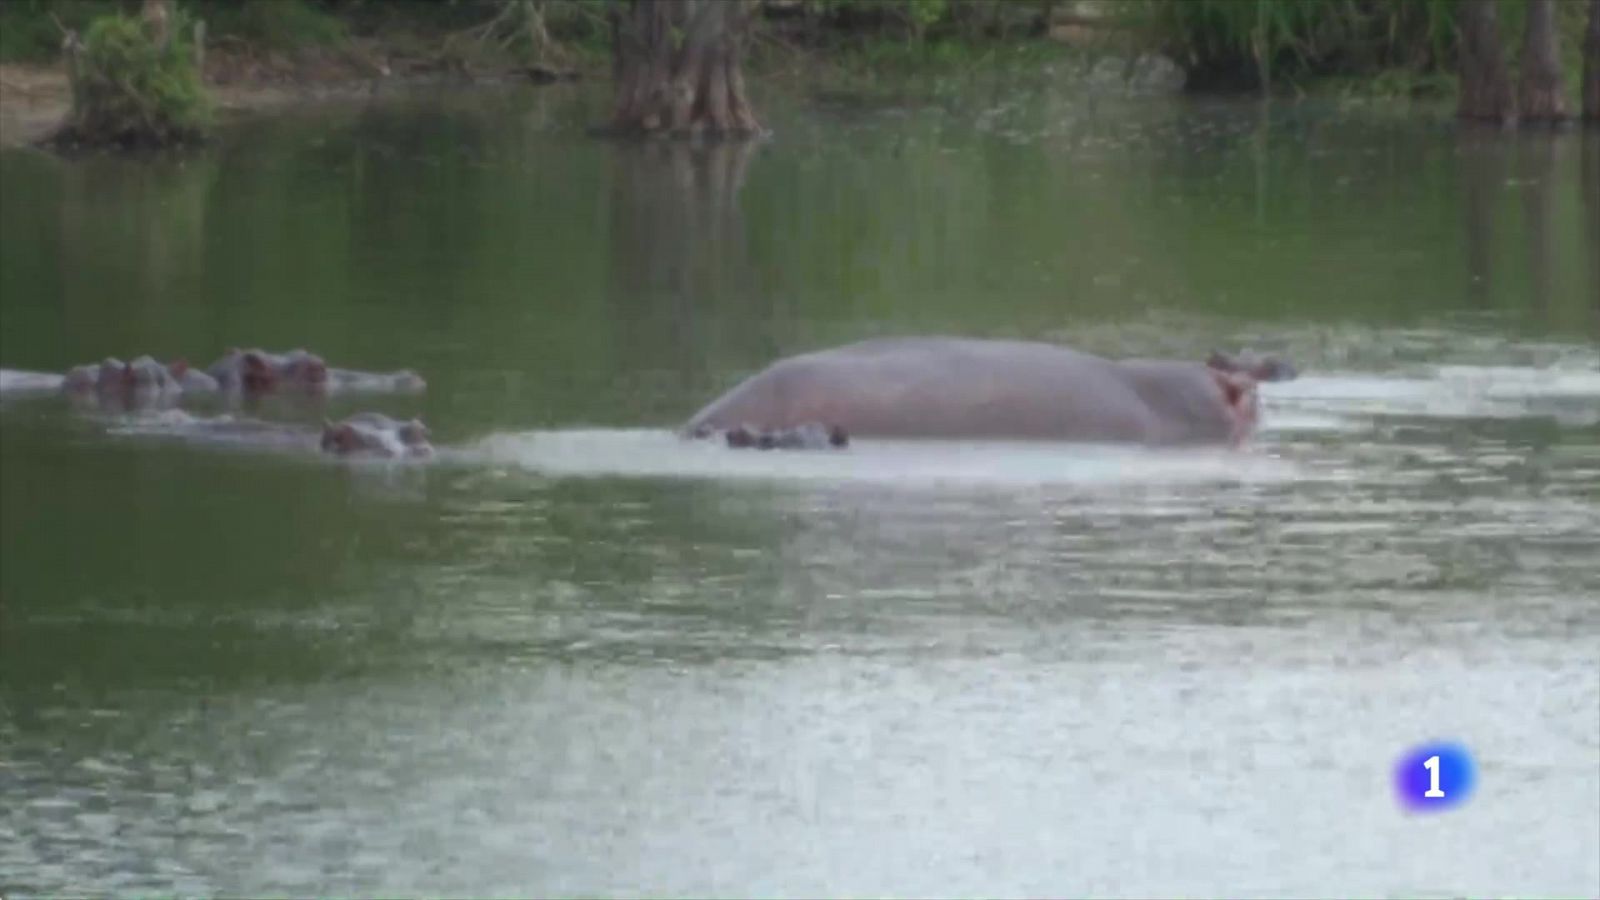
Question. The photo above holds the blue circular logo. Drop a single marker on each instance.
(1434, 777)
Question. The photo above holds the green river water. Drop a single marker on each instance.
(577, 656)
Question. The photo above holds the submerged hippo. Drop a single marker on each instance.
(809, 436)
(259, 371)
(239, 372)
(142, 381)
(377, 435)
(940, 387)
(362, 435)
(144, 377)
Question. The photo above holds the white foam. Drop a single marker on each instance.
(18, 380)
(1569, 395)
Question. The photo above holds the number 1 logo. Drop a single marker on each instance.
(1432, 765)
(1434, 777)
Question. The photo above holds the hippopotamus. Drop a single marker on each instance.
(237, 372)
(144, 381)
(365, 434)
(143, 376)
(375, 434)
(808, 436)
(259, 371)
(947, 387)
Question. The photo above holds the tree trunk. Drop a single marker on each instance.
(1485, 86)
(1591, 65)
(676, 64)
(1541, 95)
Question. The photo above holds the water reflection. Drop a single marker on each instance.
(1538, 159)
(1483, 174)
(1589, 206)
(680, 253)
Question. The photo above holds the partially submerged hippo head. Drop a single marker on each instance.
(81, 379)
(1261, 368)
(258, 371)
(809, 436)
(144, 374)
(376, 435)
(189, 379)
(298, 369)
(140, 382)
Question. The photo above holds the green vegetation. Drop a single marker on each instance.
(274, 24)
(129, 88)
(31, 30)
(1229, 43)
(1352, 47)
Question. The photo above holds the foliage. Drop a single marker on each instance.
(275, 24)
(29, 30)
(129, 91)
(1242, 42)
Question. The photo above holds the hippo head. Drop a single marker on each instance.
(255, 370)
(113, 375)
(1242, 403)
(409, 382)
(1261, 368)
(146, 375)
(377, 437)
(414, 435)
(190, 379)
(303, 368)
(81, 379)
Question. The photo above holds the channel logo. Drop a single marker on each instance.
(1435, 777)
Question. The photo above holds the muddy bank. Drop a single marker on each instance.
(34, 99)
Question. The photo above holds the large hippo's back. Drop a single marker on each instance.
(940, 387)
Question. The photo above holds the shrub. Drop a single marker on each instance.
(127, 91)
(1237, 42)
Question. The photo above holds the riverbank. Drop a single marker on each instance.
(35, 97)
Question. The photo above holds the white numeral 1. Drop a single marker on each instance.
(1432, 765)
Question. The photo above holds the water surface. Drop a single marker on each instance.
(578, 656)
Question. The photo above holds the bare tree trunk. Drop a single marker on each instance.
(1485, 86)
(1591, 65)
(676, 64)
(1540, 94)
